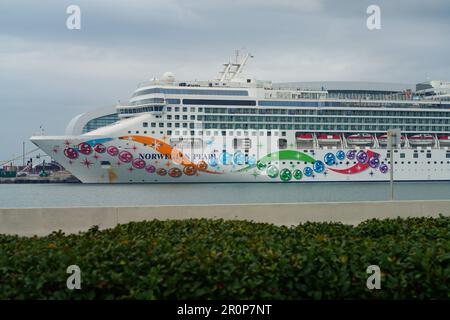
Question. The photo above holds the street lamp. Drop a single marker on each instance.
(394, 139)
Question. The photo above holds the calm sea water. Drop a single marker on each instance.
(70, 195)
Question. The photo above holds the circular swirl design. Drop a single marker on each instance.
(125, 156)
(260, 165)
(100, 148)
(239, 158)
(285, 175)
(297, 174)
(202, 165)
(189, 170)
(272, 171)
(308, 171)
(374, 162)
(71, 153)
(138, 163)
(329, 159)
(318, 166)
(161, 172)
(351, 154)
(362, 156)
(112, 151)
(175, 173)
(340, 155)
(85, 148)
(150, 169)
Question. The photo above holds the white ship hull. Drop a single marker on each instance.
(145, 159)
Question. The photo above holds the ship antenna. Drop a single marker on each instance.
(231, 70)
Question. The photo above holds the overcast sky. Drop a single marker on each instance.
(49, 74)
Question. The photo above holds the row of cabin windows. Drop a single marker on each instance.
(321, 127)
(325, 120)
(433, 115)
(183, 117)
(183, 109)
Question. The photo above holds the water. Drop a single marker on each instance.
(72, 195)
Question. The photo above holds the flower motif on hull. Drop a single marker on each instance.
(87, 163)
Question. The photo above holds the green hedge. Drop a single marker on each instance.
(216, 259)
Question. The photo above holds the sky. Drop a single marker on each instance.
(49, 74)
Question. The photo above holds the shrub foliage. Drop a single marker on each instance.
(217, 259)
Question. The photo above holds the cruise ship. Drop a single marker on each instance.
(238, 129)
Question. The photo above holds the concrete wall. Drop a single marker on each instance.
(42, 221)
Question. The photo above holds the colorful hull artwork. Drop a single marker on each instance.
(145, 159)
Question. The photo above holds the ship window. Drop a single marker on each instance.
(415, 155)
(269, 133)
(447, 155)
(161, 124)
(145, 132)
(169, 117)
(169, 132)
(282, 143)
(105, 163)
(177, 117)
(153, 124)
(192, 109)
(184, 117)
(177, 109)
(184, 109)
(169, 109)
(137, 131)
(402, 155)
(177, 125)
(428, 155)
(185, 125)
(169, 125)
(129, 131)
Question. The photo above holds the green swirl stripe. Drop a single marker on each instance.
(283, 155)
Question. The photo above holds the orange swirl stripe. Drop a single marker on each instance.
(167, 150)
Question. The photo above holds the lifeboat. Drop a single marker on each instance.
(444, 140)
(328, 139)
(383, 139)
(360, 139)
(421, 139)
(304, 137)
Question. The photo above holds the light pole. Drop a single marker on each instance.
(23, 153)
(394, 138)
